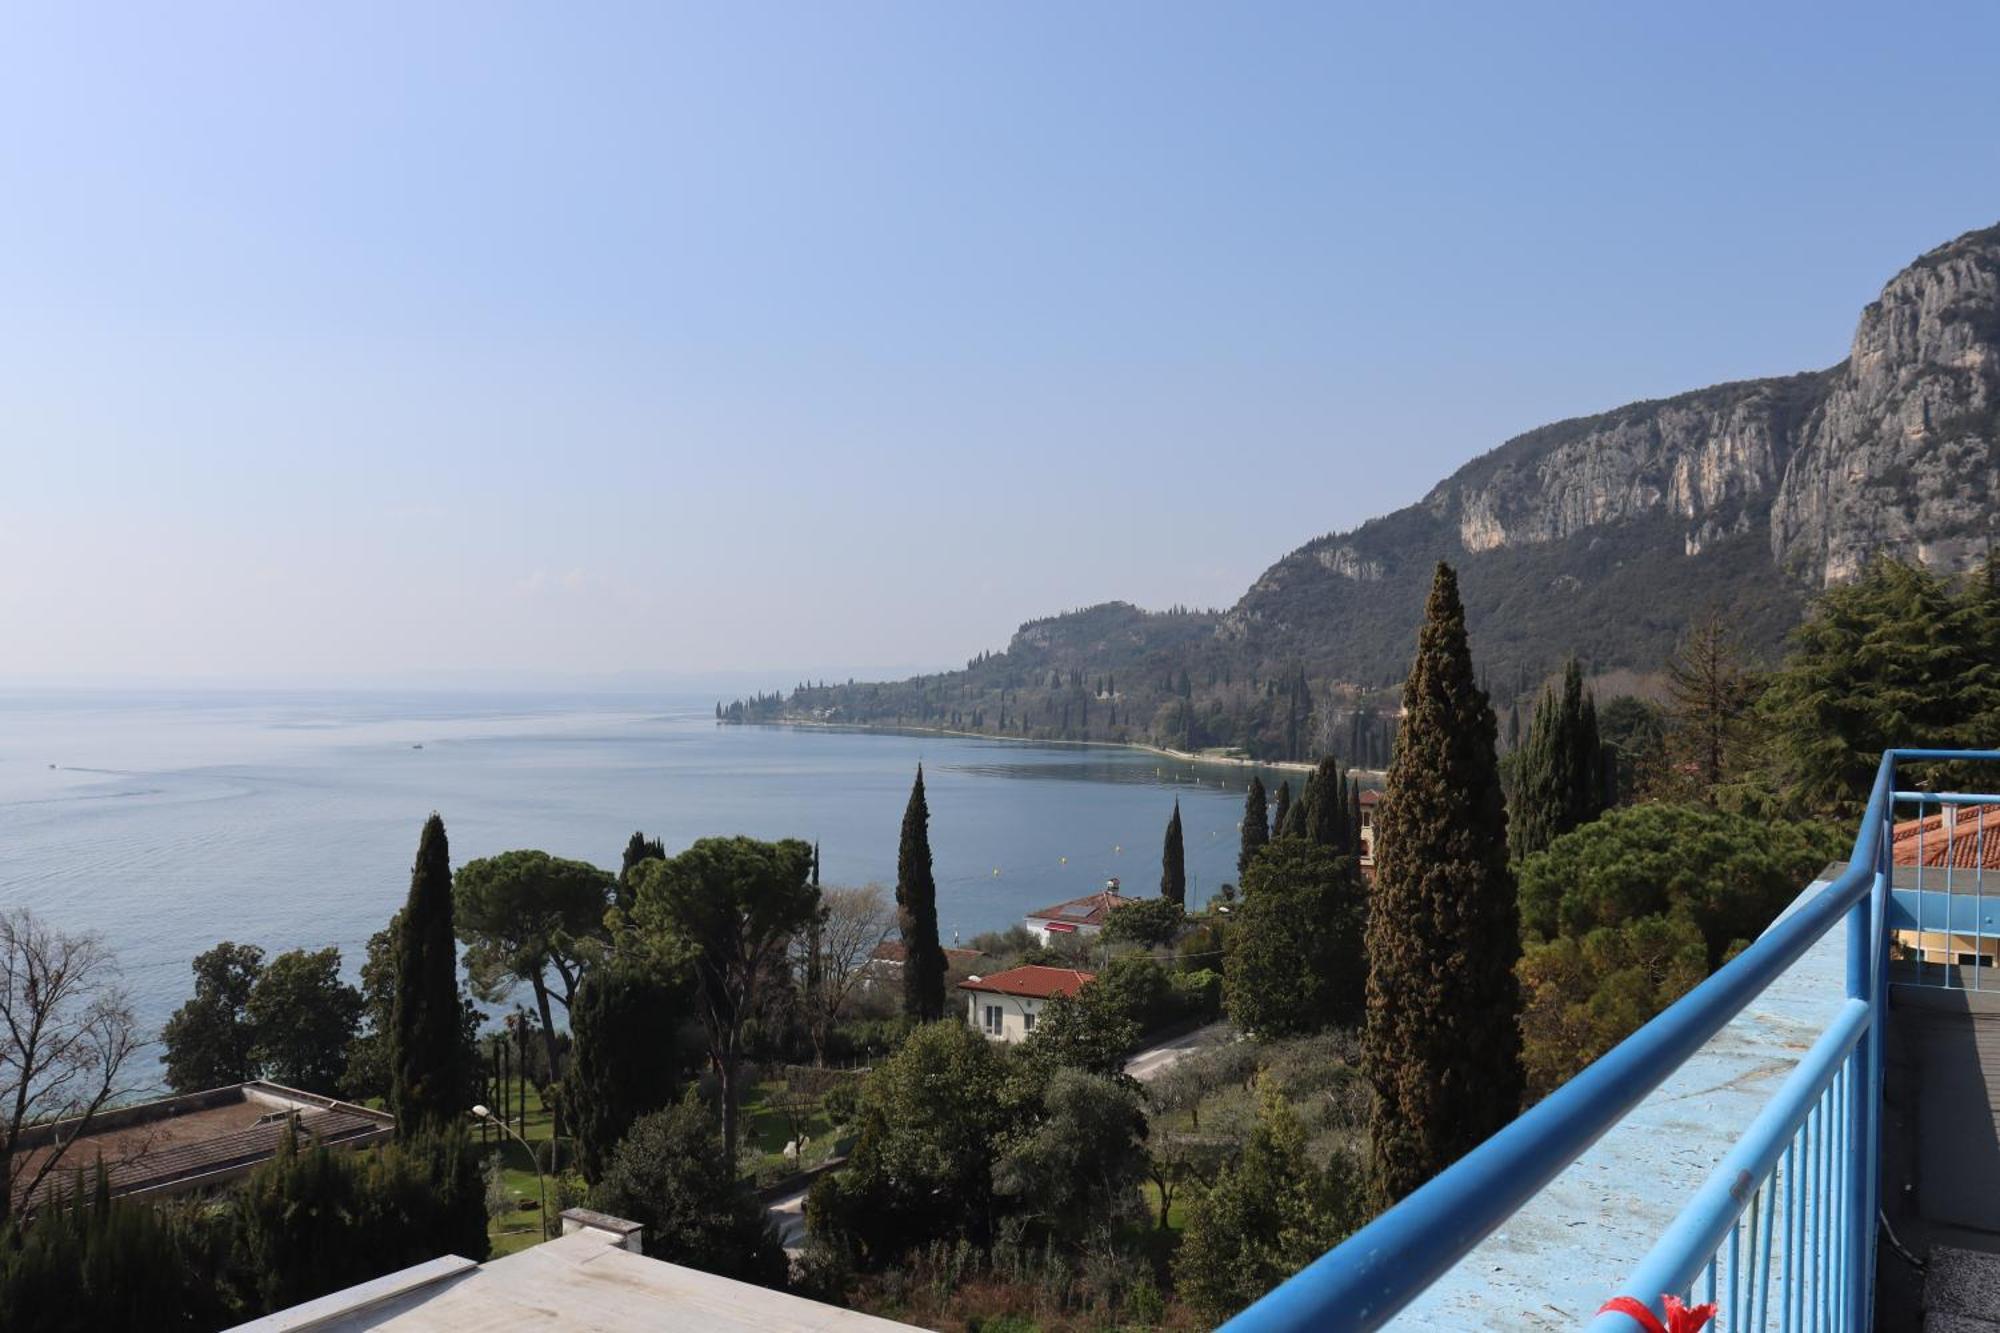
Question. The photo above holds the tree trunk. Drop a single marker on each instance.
(725, 1074)
(548, 1028)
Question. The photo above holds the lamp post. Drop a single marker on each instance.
(482, 1112)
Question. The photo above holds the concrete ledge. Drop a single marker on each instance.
(354, 1300)
(630, 1235)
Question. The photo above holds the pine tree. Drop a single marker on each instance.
(1255, 831)
(916, 912)
(1173, 861)
(1326, 806)
(1441, 1045)
(427, 1077)
(1708, 701)
(1559, 778)
(1282, 809)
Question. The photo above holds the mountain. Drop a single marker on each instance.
(1600, 536)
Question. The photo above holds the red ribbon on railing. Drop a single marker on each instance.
(1680, 1318)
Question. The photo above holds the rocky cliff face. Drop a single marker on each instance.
(1595, 531)
(1900, 454)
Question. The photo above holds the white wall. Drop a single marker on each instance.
(1014, 1012)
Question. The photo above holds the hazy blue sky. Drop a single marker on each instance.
(398, 338)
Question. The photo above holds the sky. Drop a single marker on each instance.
(384, 342)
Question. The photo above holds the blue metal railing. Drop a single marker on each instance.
(1798, 1191)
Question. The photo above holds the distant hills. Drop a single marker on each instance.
(1600, 536)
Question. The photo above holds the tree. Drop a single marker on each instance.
(66, 1036)
(1074, 1032)
(1582, 996)
(622, 1059)
(1894, 658)
(94, 1262)
(1255, 831)
(1078, 1169)
(1441, 1045)
(525, 914)
(916, 912)
(369, 1058)
(832, 955)
(922, 1166)
(1282, 809)
(304, 1017)
(673, 1175)
(1151, 922)
(1295, 960)
(1634, 734)
(1173, 862)
(1265, 1218)
(427, 1052)
(208, 1040)
(1559, 776)
(730, 907)
(313, 1220)
(638, 849)
(1708, 701)
(1326, 807)
(1729, 875)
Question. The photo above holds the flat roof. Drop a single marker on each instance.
(1555, 1261)
(189, 1141)
(584, 1280)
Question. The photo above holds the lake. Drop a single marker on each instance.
(169, 821)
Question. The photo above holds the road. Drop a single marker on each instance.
(1154, 1060)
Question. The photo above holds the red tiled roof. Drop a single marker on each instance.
(1036, 983)
(1371, 797)
(1960, 836)
(1091, 910)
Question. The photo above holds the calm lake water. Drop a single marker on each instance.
(167, 822)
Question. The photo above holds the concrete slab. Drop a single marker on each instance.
(1555, 1261)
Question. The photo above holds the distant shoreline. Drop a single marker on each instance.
(890, 729)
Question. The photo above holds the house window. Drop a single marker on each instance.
(1028, 1021)
(1968, 960)
(993, 1019)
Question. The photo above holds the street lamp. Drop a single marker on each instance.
(483, 1112)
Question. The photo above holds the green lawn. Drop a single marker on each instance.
(519, 1229)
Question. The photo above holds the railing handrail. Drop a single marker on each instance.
(1385, 1265)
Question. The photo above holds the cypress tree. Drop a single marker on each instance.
(427, 1075)
(622, 1058)
(1295, 822)
(1281, 810)
(1441, 1044)
(638, 850)
(1326, 806)
(1173, 862)
(1255, 831)
(1559, 779)
(916, 912)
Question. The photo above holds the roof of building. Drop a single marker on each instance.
(196, 1139)
(894, 951)
(1031, 982)
(583, 1280)
(1090, 910)
(1370, 796)
(1963, 837)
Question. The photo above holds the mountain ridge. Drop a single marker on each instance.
(1598, 535)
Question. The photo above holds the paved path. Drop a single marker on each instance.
(1149, 1063)
(789, 1213)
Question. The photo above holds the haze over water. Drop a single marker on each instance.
(172, 820)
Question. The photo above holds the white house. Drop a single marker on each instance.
(1005, 1005)
(1078, 916)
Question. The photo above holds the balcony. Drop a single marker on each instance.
(1742, 1147)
